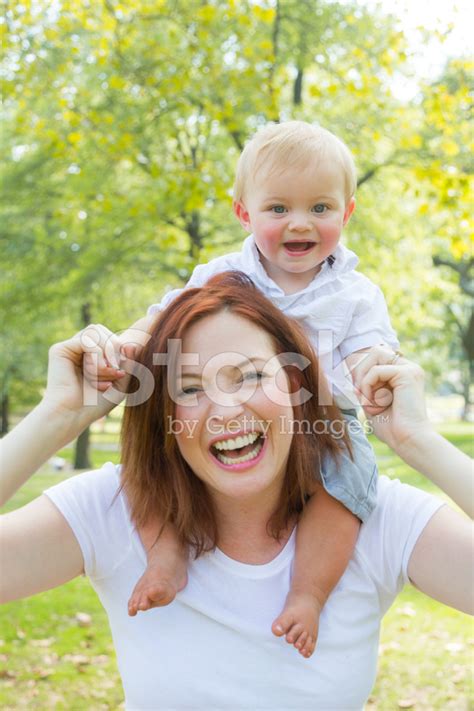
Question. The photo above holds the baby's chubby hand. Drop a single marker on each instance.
(360, 363)
(103, 356)
(106, 354)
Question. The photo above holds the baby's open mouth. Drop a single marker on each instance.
(299, 246)
(239, 449)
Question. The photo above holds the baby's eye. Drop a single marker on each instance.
(320, 208)
(278, 209)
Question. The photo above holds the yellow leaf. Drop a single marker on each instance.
(206, 13)
(263, 14)
(314, 90)
(450, 147)
(70, 117)
(266, 46)
(116, 82)
(74, 137)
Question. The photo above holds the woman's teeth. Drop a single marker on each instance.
(237, 442)
(239, 460)
(243, 442)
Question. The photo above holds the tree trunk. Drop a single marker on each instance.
(298, 88)
(81, 454)
(466, 392)
(5, 413)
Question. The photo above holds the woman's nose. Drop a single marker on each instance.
(228, 403)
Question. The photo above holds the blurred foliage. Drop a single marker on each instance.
(122, 126)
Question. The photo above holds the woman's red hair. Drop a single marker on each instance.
(158, 482)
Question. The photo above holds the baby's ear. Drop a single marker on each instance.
(351, 205)
(241, 213)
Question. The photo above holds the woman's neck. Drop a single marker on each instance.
(243, 533)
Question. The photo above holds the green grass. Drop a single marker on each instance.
(48, 660)
(427, 649)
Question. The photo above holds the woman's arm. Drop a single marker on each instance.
(440, 564)
(38, 549)
(69, 405)
(405, 427)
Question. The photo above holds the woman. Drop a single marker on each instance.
(213, 648)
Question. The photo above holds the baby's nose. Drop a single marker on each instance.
(299, 222)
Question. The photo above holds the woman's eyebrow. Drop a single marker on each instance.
(236, 366)
(253, 360)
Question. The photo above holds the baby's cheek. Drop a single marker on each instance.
(269, 235)
(331, 230)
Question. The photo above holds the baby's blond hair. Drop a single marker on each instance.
(282, 146)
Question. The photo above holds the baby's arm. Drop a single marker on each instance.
(325, 540)
(370, 339)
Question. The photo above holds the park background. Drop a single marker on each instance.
(122, 124)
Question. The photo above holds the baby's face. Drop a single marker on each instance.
(297, 219)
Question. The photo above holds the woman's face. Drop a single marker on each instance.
(233, 417)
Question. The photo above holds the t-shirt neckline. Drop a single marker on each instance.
(257, 571)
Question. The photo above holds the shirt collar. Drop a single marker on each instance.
(344, 261)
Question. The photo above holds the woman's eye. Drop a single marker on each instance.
(278, 209)
(320, 208)
(190, 390)
(252, 376)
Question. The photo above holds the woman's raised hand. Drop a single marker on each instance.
(406, 417)
(70, 403)
(74, 385)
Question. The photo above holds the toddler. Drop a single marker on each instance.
(294, 192)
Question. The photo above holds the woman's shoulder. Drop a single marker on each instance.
(389, 535)
(92, 488)
(95, 508)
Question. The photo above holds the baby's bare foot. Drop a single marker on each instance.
(155, 589)
(299, 622)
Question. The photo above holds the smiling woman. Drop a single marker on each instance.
(213, 648)
(259, 398)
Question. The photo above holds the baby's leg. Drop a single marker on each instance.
(325, 539)
(167, 562)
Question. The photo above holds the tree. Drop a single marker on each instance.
(448, 143)
(124, 123)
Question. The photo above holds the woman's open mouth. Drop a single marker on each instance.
(239, 452)
(299, 248)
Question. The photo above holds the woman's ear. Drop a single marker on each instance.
(295, 378)
(241, 213)
(349, 210)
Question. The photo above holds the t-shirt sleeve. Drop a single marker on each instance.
(388, 538)
(370, 324)
(97, 517)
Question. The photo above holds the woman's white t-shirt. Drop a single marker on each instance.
(212, 648)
